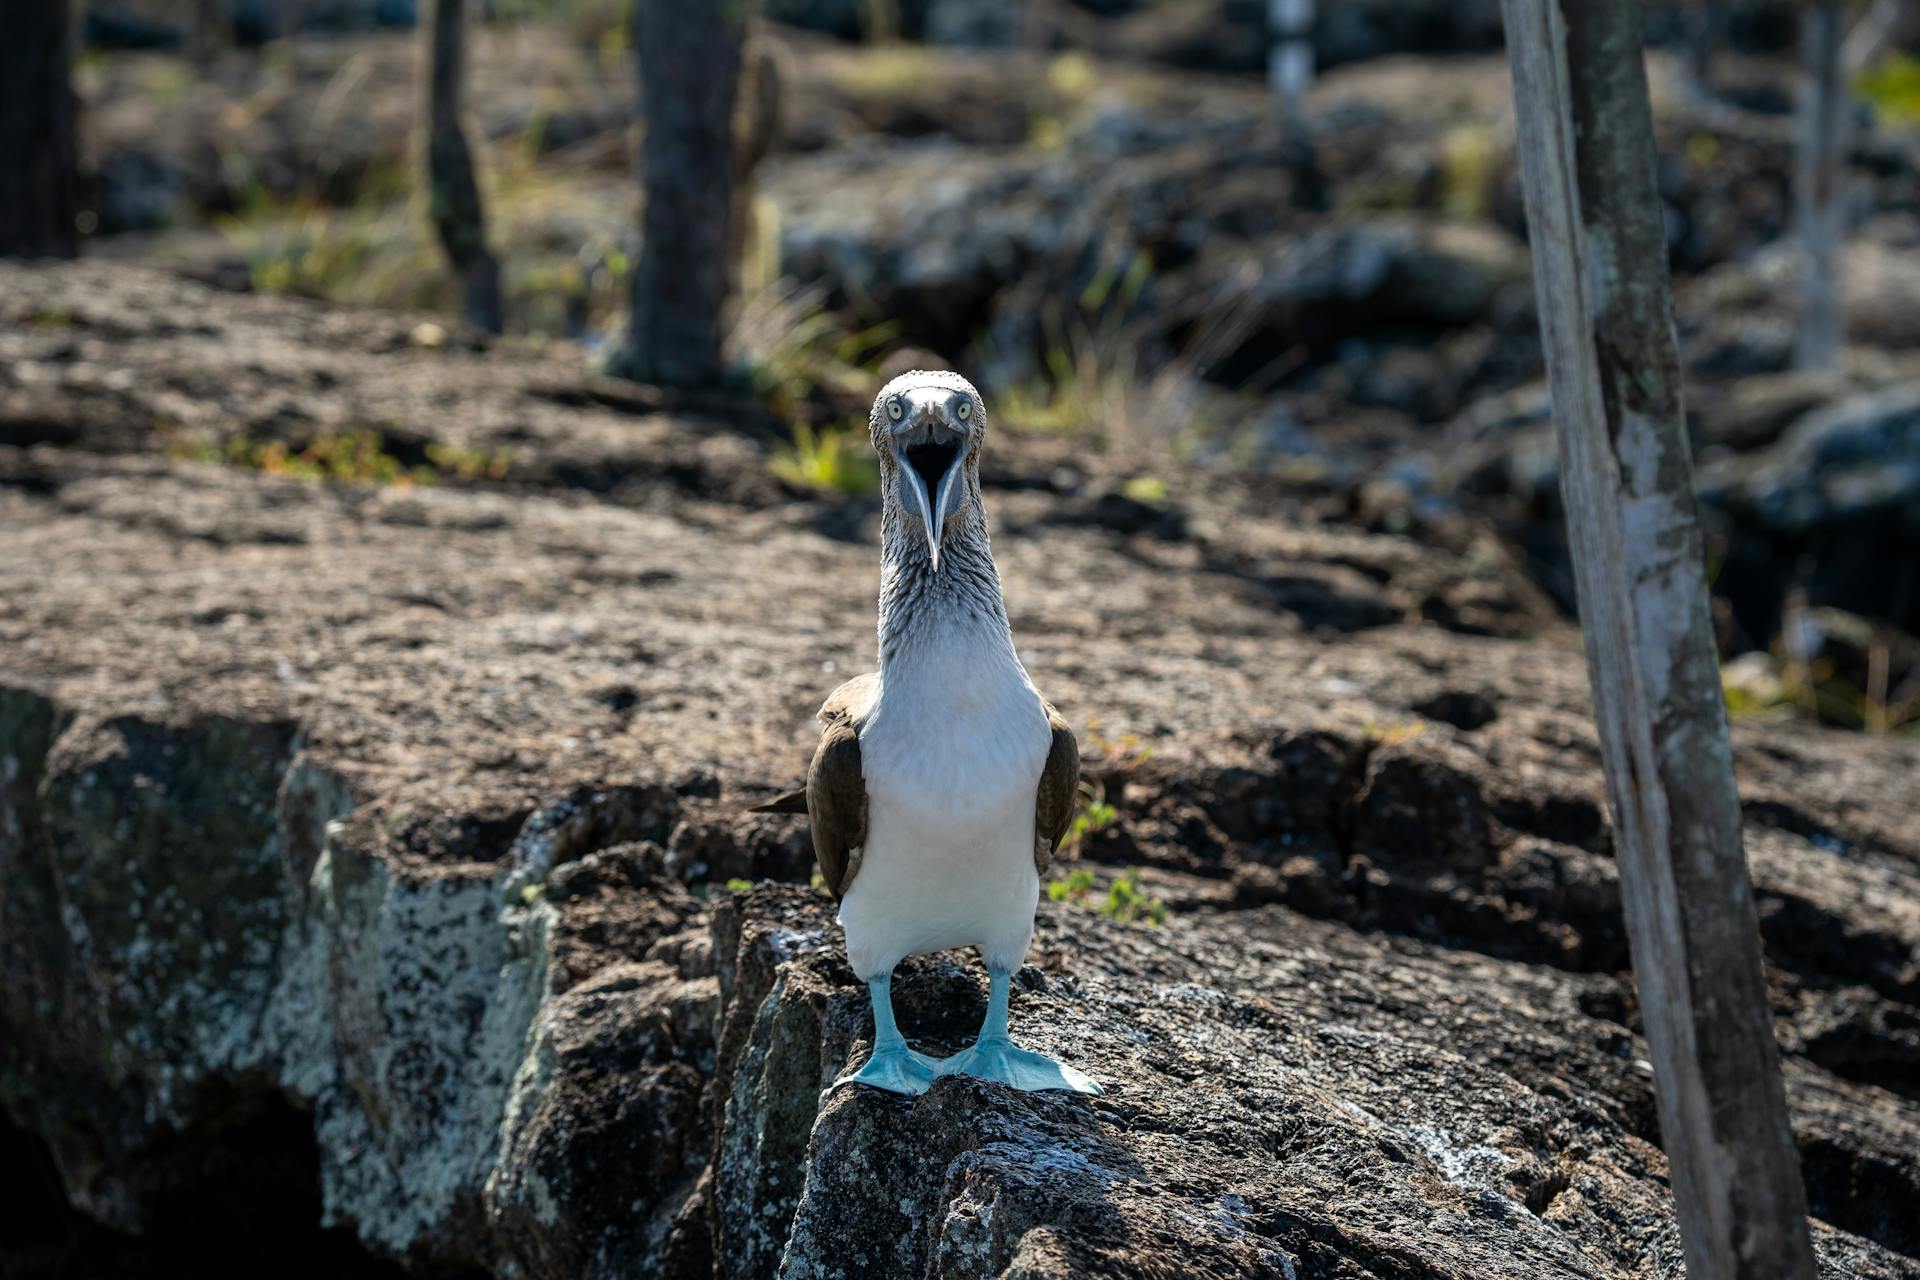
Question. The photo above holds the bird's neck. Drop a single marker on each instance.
(920, 605)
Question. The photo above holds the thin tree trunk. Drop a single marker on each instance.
(38, 181)
(453, 193)
(1885, 24)
(1585, 137)
(1707, 25)
(1289, 76)
(751, 260)
(690, 56)
(210, 32)
(1820, 196)
(1290, 56)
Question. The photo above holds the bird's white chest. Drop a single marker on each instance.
(952, 755)
(958, 736)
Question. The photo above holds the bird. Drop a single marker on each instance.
(943, 783)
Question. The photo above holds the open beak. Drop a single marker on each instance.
(930, 480)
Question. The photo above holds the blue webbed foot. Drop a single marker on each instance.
(896, 1069)
(997, 1058)
(892, 1066)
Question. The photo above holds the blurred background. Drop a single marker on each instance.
(1200, 235)
(1272, 241)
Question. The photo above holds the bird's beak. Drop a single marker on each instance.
(930, 478)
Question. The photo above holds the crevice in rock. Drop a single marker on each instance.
(1823, 948)
(1879, 1047)
(1344, 807)
(1866, 1192)
(242, 1202)
(1541, 1195)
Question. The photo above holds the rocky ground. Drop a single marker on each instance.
(1106, 224)
(365, 852)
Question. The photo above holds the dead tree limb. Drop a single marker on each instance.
(1600, 272)
(454, 203)
(1820, 184)
(38, 181)
(690, 57)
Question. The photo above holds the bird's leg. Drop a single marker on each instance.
(891, 1066)
(994, 1056)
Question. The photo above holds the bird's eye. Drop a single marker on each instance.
(965, 410)
(894, 410)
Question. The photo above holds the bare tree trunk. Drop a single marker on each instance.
(1820, 195)
(1707, 24)
(690, 55)
(1585, 137)
(1289, 76)
(38, 183)
(453, 193)
(1290, 57)
(1885, 24)
(752, 245)
(210, 31)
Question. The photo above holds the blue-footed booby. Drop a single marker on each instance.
(944, 782)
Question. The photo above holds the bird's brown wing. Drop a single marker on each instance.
(1059, 787)
(836, 786)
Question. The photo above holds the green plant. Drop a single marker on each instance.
(1832, 667)
(1095, 815)
(1127, 901)
(1752, 688)
(1073, 887)
(470, 464)
(886, 71)
(737, 885)
(1468, 170)
(1113, 376)
(1892, 85)
(802, 357)
(1124, 753)
(830, 460)
(597, 24)
(356, 455)
(366, 256)
(1386, 735)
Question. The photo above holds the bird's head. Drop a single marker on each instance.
(928, 427)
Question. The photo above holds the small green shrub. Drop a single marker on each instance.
(1073, 887)
(1127, 901)
(1892, 85)
(802, 357)
(1095, 815)
(463, 463)
(831, 460)
(357, 455)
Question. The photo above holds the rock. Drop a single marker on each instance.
(1753, 412)
(1335, 282)
(1835, 496)
(396, 832)
(988, 23)
(1229, 1066)
(1853, 463)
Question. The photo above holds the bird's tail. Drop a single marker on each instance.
(791, 802)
